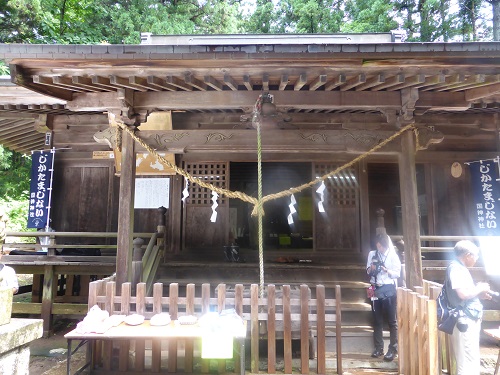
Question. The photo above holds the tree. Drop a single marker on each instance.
(14, 187)
(19, 20)
(311, 16)
(261, 20)
(369, 16)
(469, 14)
(495, 5)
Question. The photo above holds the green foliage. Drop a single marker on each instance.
(4, 69)
(122, 21)
(310, 16)
(469, 14)
(14, 187)
(370, 16)
(262, 19)
(19, 20)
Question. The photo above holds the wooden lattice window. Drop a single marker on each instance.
(341, 189)
(213, 173)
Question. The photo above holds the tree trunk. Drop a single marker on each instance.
(496, 19)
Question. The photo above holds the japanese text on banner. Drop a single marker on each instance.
(486, 189)
(40, 186)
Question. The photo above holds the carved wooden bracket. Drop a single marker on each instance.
(427, 136)
(41, 124)
(108, 137)
(408, 99)
(128, 114)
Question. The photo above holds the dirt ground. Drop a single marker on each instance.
(48, 355)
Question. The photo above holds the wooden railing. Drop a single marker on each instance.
(101, 240)
(60, 282)
(418, 342)
(277, 312)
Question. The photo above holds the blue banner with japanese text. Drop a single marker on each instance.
(40, 189)
(486, 189)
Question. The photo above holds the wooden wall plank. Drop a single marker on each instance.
(173, 296)
(188, 356)
(321, 330)
(304, 328)
(254, 328)
(287, 329)
(271, 329)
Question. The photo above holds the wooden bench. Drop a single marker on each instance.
(252, 307)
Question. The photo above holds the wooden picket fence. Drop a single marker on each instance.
(277, 312)
(423, 349)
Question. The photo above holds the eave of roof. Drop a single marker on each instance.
(10, 52)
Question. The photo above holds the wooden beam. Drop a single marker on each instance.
(374, 81)
(443, 101)
(196, 83)
(337, 81)
(232, 141)
(104, 83)
(414, 81)
(472, 80)
(483, 92)
(398, 79)
(20, 78)
(448, 81)
(66, 83)
(159, 83)
(247, 82)
(125, 83)
(174, 81)
(230, 82)
(213, 83)
(265, 82)
(318, 82)
(301, 81)
(282, 99)
(354, 82)
(283, 81)
(86, 82)
(143, 82)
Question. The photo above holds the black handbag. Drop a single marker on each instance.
(385, 291)
(450, 321)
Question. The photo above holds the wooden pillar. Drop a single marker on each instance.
(410, 213)
(48, 295)
(364, 208)
(125, 211)
(161, 228)
(175, 214)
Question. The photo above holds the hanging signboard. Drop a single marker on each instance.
(42, 168)
(486, 189)
(152, 192)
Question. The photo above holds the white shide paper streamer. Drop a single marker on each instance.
(321, 192)
(185, 192)
(292, 204)
(213, 218)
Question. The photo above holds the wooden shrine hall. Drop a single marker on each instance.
(391, 124)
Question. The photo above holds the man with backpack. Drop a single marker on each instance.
(463, 294)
